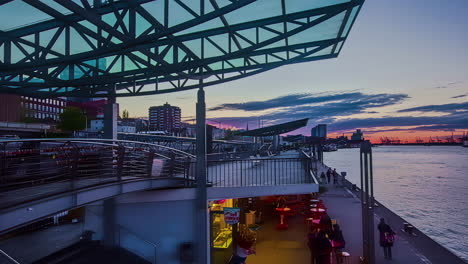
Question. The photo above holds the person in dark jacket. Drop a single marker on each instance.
(338, 242)
(312, 244)
(329, 172)
(322, 177)
(326, 223)
(324, 248)
(387, 237)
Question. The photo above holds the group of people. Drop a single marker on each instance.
(327, 177)
(324, 240)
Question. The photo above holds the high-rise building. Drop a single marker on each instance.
(320, 131)
(164, 118)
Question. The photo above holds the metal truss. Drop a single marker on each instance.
(141, 47)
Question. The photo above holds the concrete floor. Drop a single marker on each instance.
(281, 246)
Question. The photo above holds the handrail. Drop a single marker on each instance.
(140, 238)
(95, 140)
(8, 257)
(310, 170)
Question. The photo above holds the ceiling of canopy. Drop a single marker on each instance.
(96, 48)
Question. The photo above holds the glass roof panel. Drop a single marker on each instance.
(350, 21)
(18, 13)
(293, 6)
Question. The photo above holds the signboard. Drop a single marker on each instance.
(231, 215)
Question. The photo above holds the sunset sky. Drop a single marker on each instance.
(403, 72)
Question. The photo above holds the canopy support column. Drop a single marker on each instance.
(201, 229)
(367, 203)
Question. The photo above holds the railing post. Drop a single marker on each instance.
(120, 161)
(3, 168)
(171, 164)
(150, 163)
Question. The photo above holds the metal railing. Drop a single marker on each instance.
(5, 258)
(133, 242)
(259, 172)
(312, 168)
(72, 164)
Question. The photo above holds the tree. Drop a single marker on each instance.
(125, 114)
(72, 119)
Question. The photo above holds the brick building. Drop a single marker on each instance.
(164, 118)
(17, 108)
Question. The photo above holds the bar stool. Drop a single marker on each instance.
(345, 255)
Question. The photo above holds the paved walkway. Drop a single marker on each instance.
(344, 206)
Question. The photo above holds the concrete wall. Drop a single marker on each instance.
(165, 224)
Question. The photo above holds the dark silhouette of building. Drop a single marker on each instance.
(320, 131)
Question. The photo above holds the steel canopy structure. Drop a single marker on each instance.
(96, 48)
(276, 129)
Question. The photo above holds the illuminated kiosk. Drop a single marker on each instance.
(56, 49)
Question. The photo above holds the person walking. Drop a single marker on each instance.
(329, 171)
(322, 177)
(312, 244)
(338, 243)
(244, 248)
(335, 176)
(387, 238)
(324, 248)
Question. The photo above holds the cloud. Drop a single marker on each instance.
(332, 108)
(447, 122)
(449, 108)
(286, 101)
(318, 107)
(448, 85)
(459, 96)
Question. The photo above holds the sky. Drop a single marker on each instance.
(403, 72)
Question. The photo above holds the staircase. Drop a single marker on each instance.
(92, 252)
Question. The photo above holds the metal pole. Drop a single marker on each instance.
(109, 210)
(203, 248)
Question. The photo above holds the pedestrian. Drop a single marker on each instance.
(324, 248)
(387, 237)
(335, 176)
(326, 223)
(244, 248)
(312, 244)
(322, 176)
(338, 242)
(329, 171)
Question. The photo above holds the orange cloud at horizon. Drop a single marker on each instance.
(406, 136)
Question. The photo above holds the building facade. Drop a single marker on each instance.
(319, 131)
(164, 118)
(17, 108)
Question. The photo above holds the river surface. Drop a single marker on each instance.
(426, 185)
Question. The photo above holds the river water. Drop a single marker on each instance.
(426, 185)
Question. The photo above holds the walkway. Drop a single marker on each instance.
(345, 206)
